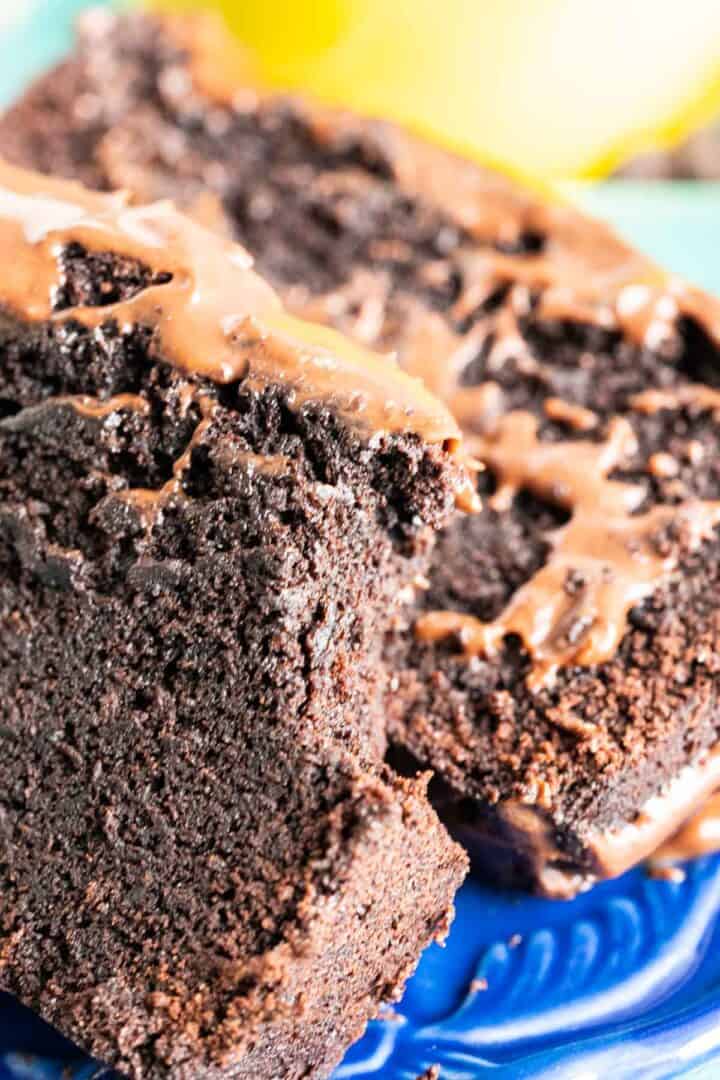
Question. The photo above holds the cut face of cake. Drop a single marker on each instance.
(208, 510)
(559, 673)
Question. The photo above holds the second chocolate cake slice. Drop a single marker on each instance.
(208, 510)
(560, 674)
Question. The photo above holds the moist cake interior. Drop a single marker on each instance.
(208, 513)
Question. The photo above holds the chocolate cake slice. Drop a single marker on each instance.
(208, 512)
(560, 672)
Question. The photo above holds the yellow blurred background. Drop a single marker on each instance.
(549, 88)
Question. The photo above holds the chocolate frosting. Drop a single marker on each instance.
(608, 558)
(214, 317)
(605, 560)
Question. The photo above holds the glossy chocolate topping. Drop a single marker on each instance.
(212, 315)
(605, 560)
(583, 271)
(574, 610)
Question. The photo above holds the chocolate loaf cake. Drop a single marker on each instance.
(208, 510)
(560, 672)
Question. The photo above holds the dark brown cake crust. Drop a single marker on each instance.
(506, 305)
(205, 869)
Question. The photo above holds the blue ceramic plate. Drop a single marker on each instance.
(624, 980)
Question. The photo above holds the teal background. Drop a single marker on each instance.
(34, 36)
(678, 223)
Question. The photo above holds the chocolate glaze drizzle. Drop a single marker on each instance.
(147, 501)
(583, 272)
(214, 317)
(97, 409)
(608, 557)
(604, 561)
